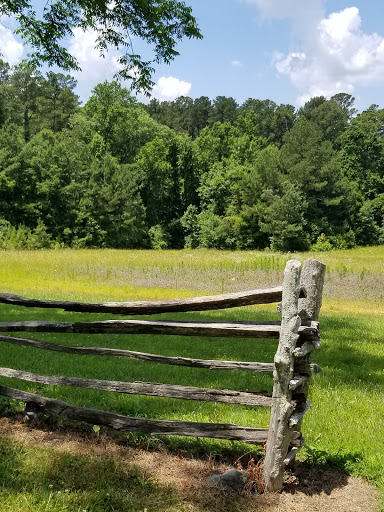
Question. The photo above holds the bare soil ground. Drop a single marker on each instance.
(312, 489)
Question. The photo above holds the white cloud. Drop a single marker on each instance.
(169, 88)
(94, 68)
(236, 64)
(338, 56)
(11, 50)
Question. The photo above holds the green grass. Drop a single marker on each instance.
(344, 427)
(37, 479)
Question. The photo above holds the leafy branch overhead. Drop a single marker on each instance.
(161, 23)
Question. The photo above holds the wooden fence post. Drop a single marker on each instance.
(312, 279)
(280, 432)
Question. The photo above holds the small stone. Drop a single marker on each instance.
(233, 478)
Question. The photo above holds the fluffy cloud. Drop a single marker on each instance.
(339, 57)
(11, 49)
(94, 68)
(169, 88)
(334, 55)
(236, 64)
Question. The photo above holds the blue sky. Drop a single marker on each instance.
(284, 50)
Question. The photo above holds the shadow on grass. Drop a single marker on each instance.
(62, 471)
(352, 351)
(46, 478)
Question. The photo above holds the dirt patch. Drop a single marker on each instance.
(312, 489)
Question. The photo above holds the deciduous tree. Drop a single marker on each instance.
(161, 23)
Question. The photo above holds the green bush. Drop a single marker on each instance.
(158, 237)
(21, 237)
(322, 244)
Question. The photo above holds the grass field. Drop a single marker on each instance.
(344, 427)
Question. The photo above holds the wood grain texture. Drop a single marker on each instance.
(312, 278)
(129, 424)
(296, 417)
(297, 380)
(148, 388)
(293, 452)
(204, 303)
(280, 431)
(211, 329)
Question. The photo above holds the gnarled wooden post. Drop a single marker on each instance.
(312, 279)
(291, 381)
(280, 432)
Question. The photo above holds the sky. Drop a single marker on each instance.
(285, 50)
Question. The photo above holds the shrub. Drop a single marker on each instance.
(322, 244)
(158, 237)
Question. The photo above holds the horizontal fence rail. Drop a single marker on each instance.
(158, 427)
(261, 399)
(212, 329)
(211, 364)
(204, 303)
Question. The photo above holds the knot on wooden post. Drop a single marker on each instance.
(307, 347)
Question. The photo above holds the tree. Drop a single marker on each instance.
(161, 23)
(284, 220)
(363, 151)
(223, 110)
(154, 174)
(346, 102)
(110, 212)
(273, 120)
(4, 81)
(214, 144)
(183, 156)
(331, 116)
(306, 110)
(263, 182)
(124, 125)
(11, 144)
(22, 95)
(200, 114)
(57, 102)
(314, 168)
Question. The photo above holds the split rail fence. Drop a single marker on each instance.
(298, 334)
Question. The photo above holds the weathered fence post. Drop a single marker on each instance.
(290, 388)
(280, 432)
(312, 279)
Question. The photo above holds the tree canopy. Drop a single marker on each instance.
(184, 173)
(161, 23)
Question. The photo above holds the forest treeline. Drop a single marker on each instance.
(185, 173)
